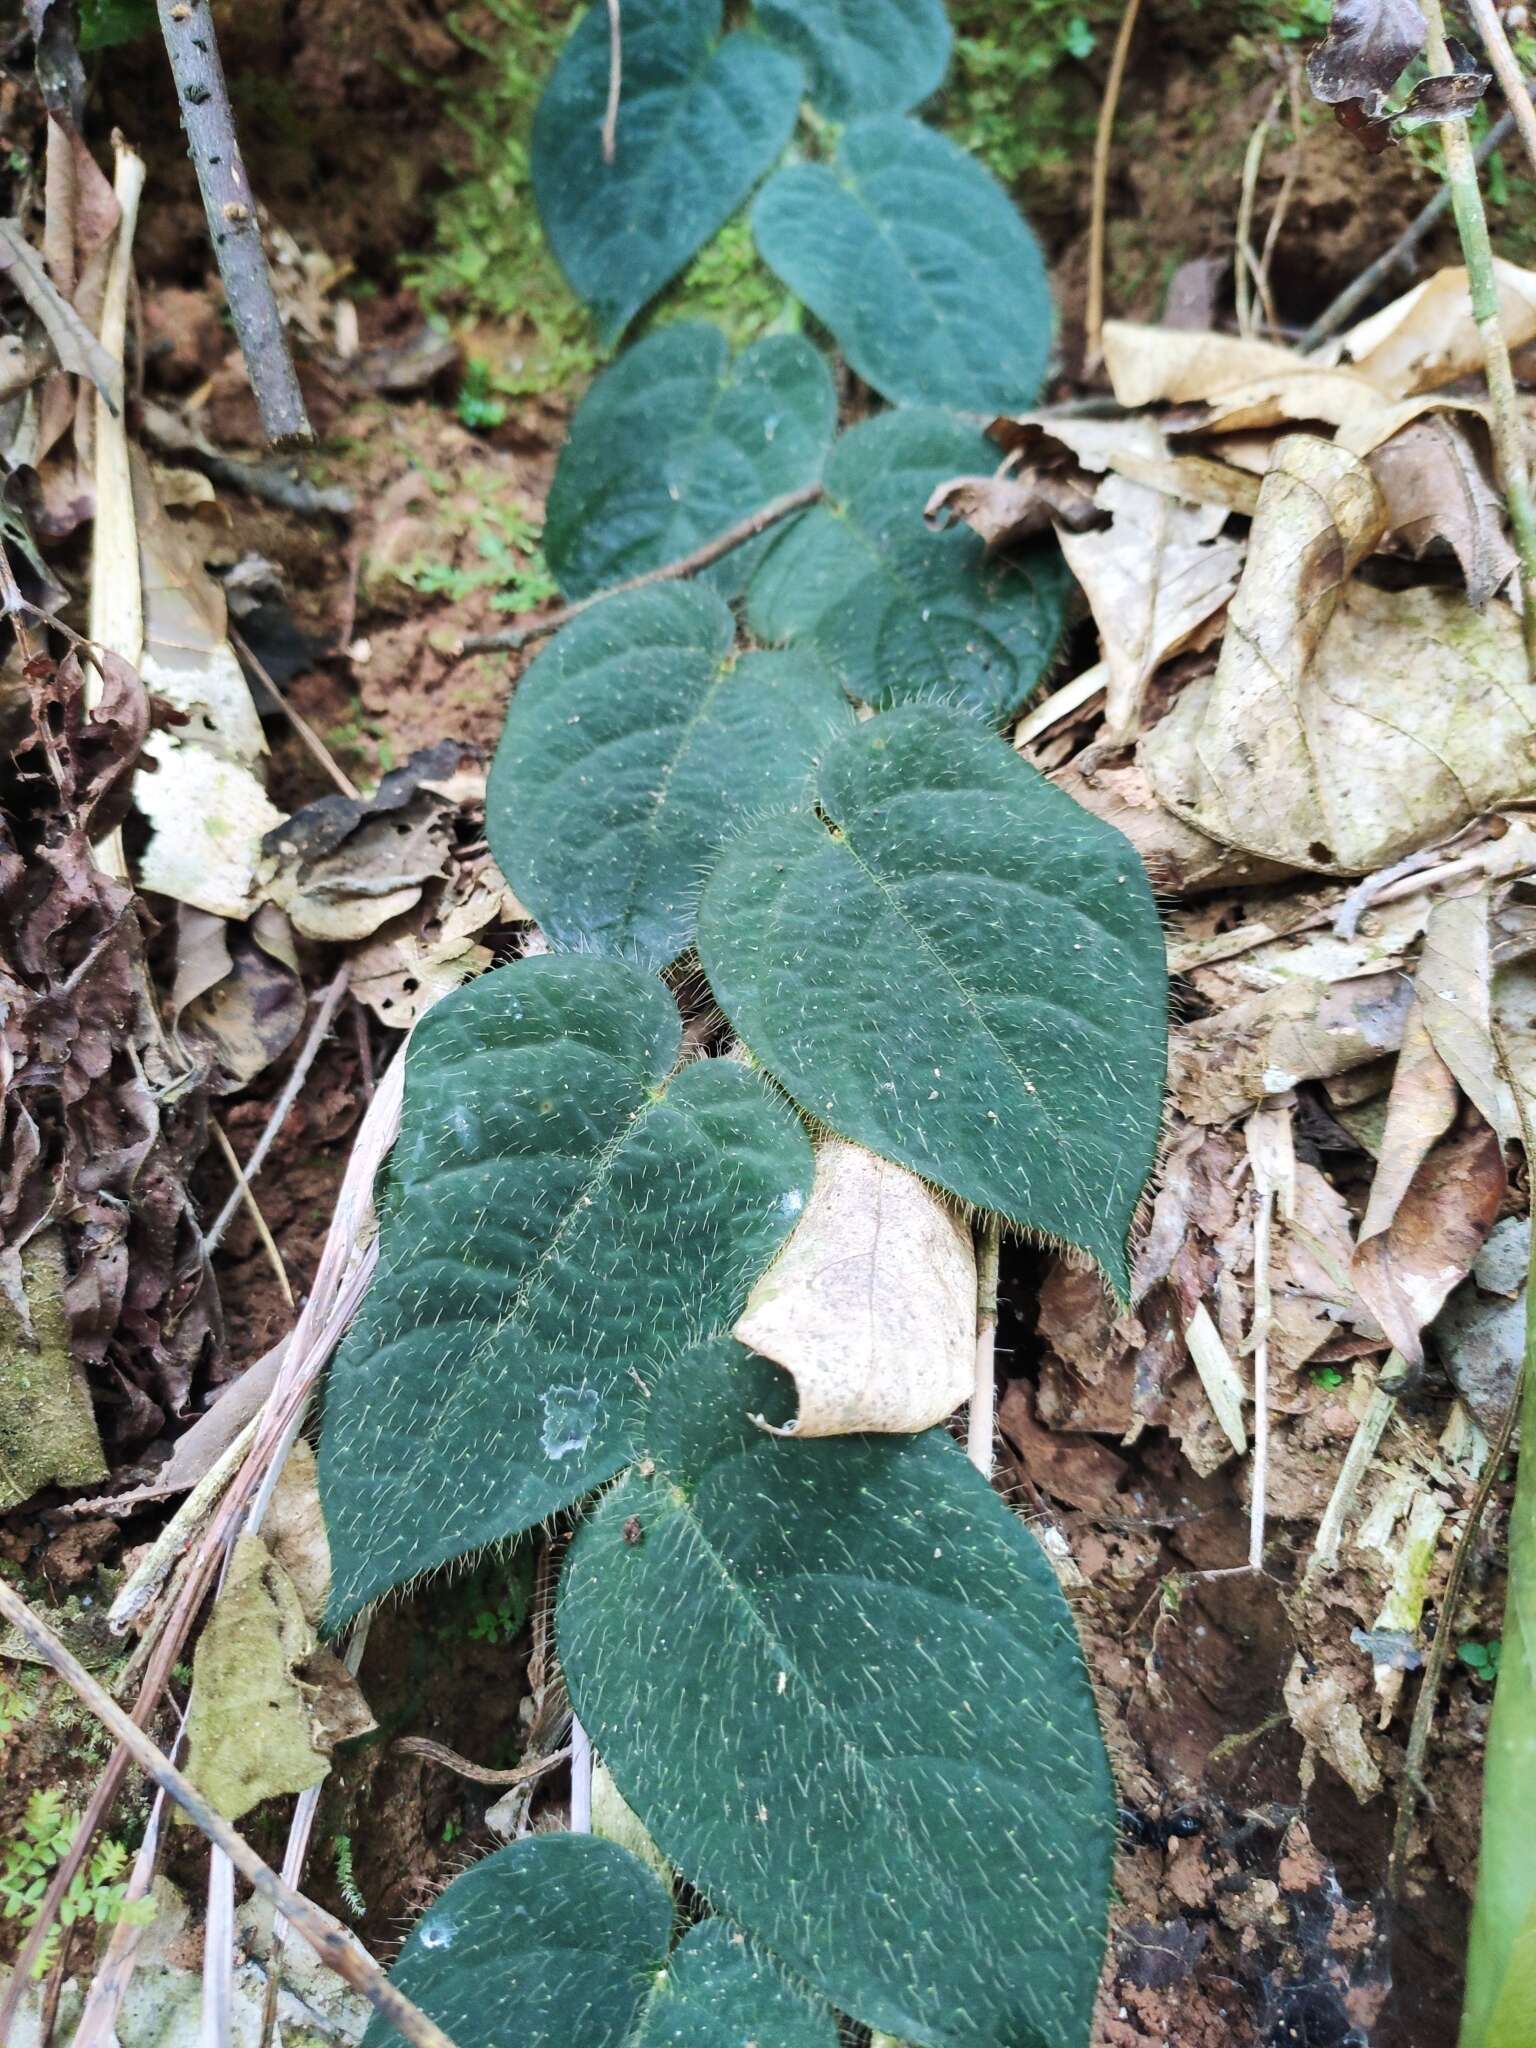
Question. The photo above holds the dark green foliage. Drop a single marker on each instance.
(701, 118)
(839, 1681)
(949, 961)
(675, 443)
(635, 745)
(560, 1215)
(863, 56)
(561, 1942)
(916, 260)
(895, 610)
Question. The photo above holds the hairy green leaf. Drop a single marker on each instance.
(675, 443)
(914, 257)
(839, 1683)
(561, 1942)
(634, 747)
(899, 612)
(863, 56)
(559, 1215)
(701, 118)
(949, 961)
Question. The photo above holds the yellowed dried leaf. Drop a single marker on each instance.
(1428, 337)
(871, 1303)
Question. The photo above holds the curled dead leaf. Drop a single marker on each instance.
(871, 1303)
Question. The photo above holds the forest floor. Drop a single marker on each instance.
(441, 360)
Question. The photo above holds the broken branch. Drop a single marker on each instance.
(193, 48)
(334, 1944)
(702, 557)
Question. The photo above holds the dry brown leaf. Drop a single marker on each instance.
(238, 1001)
(1454, 987)
(1440, 1177)
(1345, 725)
(1011, 506)
(1436, 494)
(1428, 338)
(1238, 383)
(1222, 1065)
(1154, 577)
(871, 1303)
(414, 960)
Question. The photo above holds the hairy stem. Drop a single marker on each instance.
(980, 1424)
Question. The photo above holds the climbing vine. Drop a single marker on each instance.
(836, 1679)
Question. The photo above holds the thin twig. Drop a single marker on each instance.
(1094, 320)
(336, 989)
(1246, 271)
(301, 725)
(1505, 423)
(1338, 310)
(1357, 1459)
(980, 1423)
(1422, 1725)
(1293, 159)
(478, 1774)
(1263, 1317)
(1517, 94)
(253, 1210)
(193, 48)
(336, 1946)
(615, 82)
(306, 1806)
(703, 557)
(218, 1953)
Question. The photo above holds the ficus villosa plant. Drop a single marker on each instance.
(837, 1680)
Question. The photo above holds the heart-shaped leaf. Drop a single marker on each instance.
(701, 118)
(839, 1683)
(863, 56)
(635, 745)
(894, 609)
(561, 1941)
(675, 443)
(914, 257)
(559, 1215)
(1008, 947)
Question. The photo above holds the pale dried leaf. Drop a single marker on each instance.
(871, 1303)
(1454, 986)
(208, 818)
(1153, 578)
(1436, 494)
(1010, 506)
(1345, 725)
(1428, 337)
(1439, 1181)
(1222, 1065)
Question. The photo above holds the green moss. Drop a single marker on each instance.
(488, 258)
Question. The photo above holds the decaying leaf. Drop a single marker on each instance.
(200, 789)
(238, 1000)
(1436, 494)
(1369, 44)
(1066, 1465)
(871, 1302)
(249, 1733)
(1440, 1177)
(1344, 725)
(1297, 1031)
(293, 1529)
(268, 1701)
(342, 867)
(1011, 505)
(415, 959)
(1154, 577)
(1428, 337)
(1479, 1336)
(48, 1433)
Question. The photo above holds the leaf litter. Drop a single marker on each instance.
(1297, 574)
